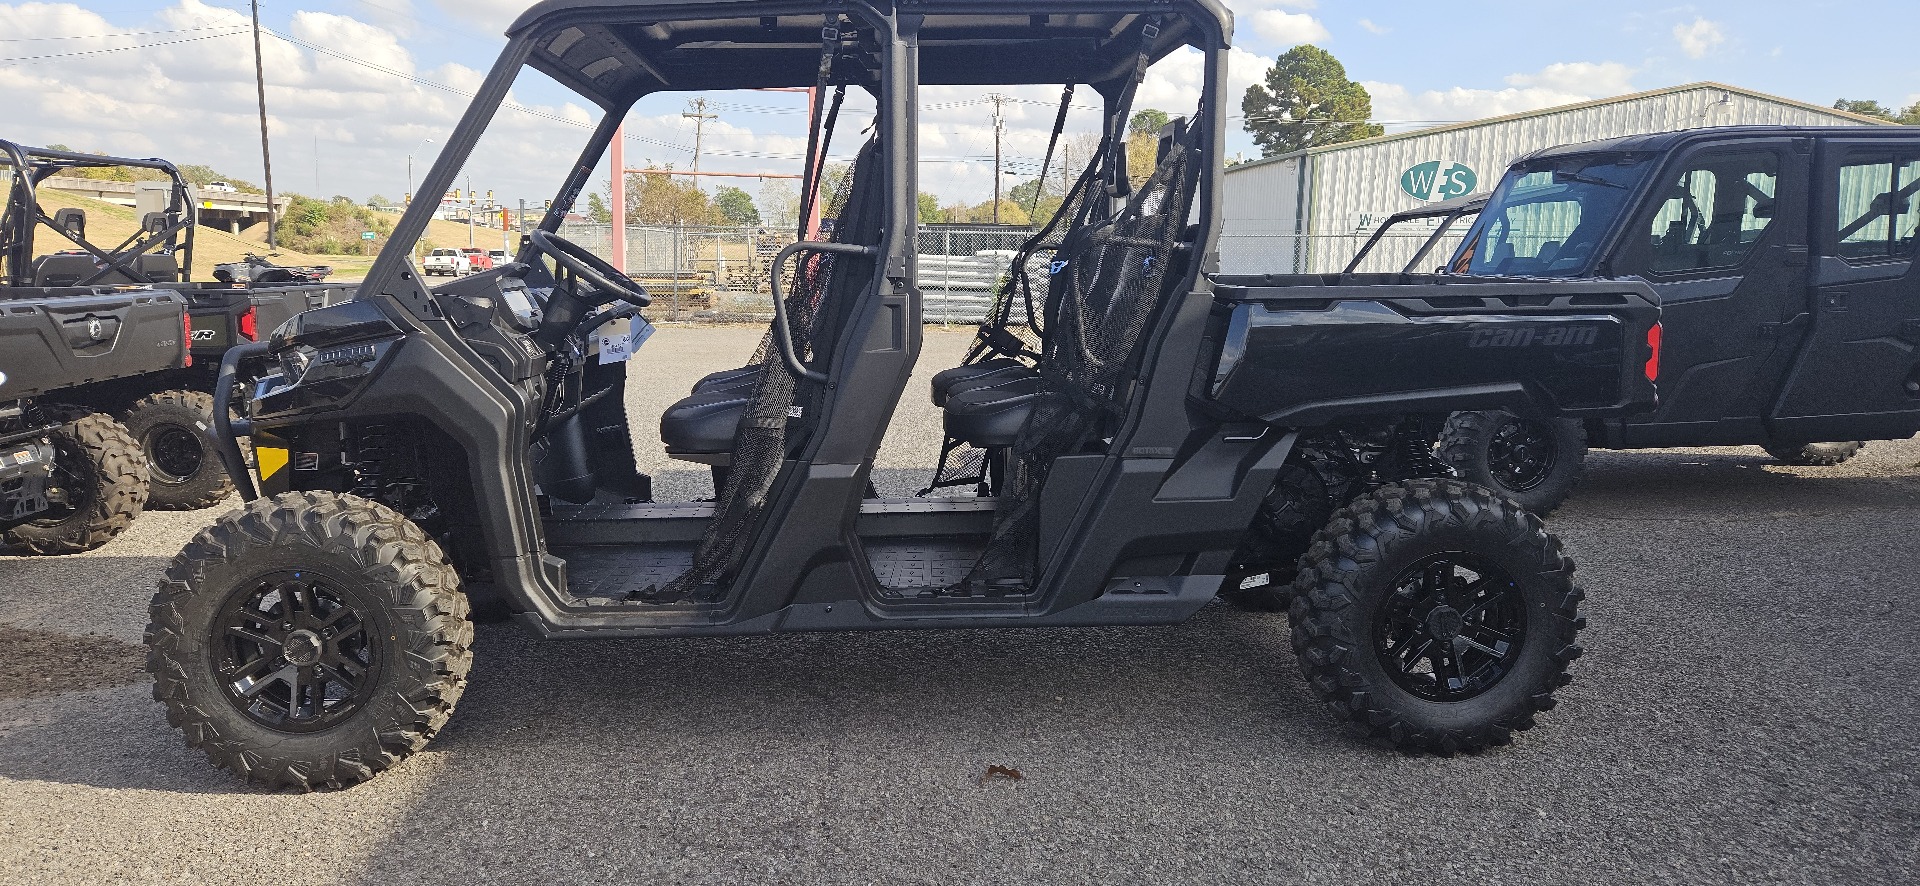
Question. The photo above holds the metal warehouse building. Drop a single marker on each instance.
(1309, 211)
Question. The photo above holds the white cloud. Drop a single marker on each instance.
(1288, 28)
(1557, 84)
(1371, 28)
(1698, 37)
(492, 15)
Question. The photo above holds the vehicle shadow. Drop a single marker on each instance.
(1734, 483)
(563, 710)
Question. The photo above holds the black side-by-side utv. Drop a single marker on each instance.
(1129, 435)
(1785, 261)
(169, 411)
(72, 478)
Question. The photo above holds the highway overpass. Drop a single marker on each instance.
(233, 213)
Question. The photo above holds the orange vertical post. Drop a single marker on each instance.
(617, 157)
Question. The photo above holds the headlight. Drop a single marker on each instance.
(295, 361)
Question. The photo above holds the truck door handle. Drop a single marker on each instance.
(1776, 330)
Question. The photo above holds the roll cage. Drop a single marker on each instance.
(172, 233)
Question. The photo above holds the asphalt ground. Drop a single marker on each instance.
(1745, 713)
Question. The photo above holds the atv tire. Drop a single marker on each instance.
(98, 465)
(1816, 455)
(1535, 463)
(1382, 583)
(310, 640)
(175, 430)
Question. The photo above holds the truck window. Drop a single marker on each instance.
(1715, 214)
(1877, 218)
(1548, 218)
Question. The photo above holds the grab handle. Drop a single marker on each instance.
(782, 331)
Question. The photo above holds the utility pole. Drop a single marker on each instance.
(999, 130)
(470, 233)
(697, 112)
(266, 151)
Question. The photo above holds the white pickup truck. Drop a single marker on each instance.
(447, 262)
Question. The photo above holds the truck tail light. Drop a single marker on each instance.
(1653, 343)
(250, 325)
(186, 339)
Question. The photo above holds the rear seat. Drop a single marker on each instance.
(991, 415)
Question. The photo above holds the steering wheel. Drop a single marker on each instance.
(599, 272)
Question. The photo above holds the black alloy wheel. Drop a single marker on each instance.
(1522, 455)
(294, 653)
(175, 454)
(1452, 629)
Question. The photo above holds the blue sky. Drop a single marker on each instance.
(343, 128)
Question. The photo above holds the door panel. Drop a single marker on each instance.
(1724, 245)
(1859, 376)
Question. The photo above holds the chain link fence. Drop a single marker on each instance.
(722, 273)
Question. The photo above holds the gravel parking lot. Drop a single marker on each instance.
(1745, 714)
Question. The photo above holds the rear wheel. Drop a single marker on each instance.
(1531, 461)
(101, 481)
(311, 640)
(1816, 455)
(175, 430)
(1437, 616)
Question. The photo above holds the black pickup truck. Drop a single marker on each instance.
(72, 478)
(1784, 260)
(170, 412)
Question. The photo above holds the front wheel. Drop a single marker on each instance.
(309, 640)
(1816, 455)
(1534, 462)
(100, 482)
(1437, 615)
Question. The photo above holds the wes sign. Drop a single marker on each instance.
(1437, 180)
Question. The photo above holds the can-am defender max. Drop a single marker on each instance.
(1132, 432)
(169, 412)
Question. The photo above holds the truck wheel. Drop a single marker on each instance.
(1535, 463)
(175, 430)
(310, 640)
(1437, 615)
(99, 468)
(1817, 455)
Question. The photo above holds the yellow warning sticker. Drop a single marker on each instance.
(272, 460)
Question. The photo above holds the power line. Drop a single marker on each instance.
(104, 36)
(111, 49)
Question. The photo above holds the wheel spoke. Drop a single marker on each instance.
(285, 675)
(251, 669)
(252, 636)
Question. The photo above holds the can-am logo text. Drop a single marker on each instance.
(1437, 180)
(1558, 336)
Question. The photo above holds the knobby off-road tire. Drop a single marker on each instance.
(1816, 455)
(336, 580)
(175, 430)
(1533, 462)
(1368, 586)
(99, 466)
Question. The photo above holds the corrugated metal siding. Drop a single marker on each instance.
(1262, 217)
(1353, 189)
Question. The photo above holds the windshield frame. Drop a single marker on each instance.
(1638, 169)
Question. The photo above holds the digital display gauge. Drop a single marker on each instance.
(526, 314)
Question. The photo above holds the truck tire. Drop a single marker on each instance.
(1437, 615)
(175, 430)
(99, 466)
(309, 640)
(1535, 463)
(1816, 455)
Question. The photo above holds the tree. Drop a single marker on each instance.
(597, 209)
(736, 206)
(1910, 116)
(1867, 107)
(1147, 121)
(1307, 101)
(1035, 200)
(930, 211)
(654, 197)
(780, 203)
